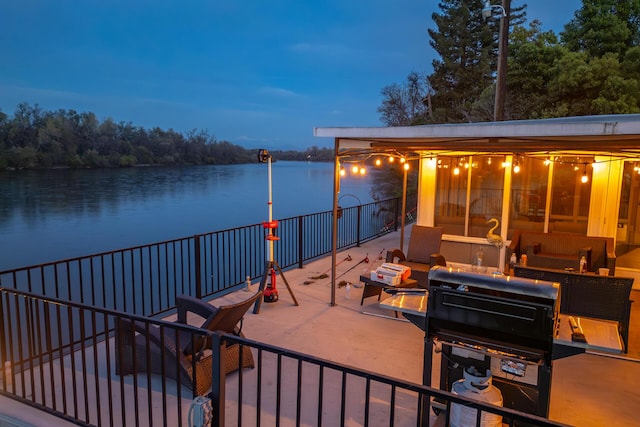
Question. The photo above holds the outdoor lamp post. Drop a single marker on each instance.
(501, 73)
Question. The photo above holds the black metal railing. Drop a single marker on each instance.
(145, 279)
(308, 390)
(68, 359)
(64, 358)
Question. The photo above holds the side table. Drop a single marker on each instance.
(373, 287)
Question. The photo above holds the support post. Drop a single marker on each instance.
(198, 265)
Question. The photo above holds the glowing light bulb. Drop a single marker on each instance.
(343, 172)
(378, 162)
(406, 166)
(456, 171)
(363, 170)
(355, 169)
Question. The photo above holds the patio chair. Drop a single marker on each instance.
(141, 347)
(422, 254)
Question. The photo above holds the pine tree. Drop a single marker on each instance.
(468, 49)
(464, 43)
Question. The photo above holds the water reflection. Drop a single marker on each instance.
(55, 214)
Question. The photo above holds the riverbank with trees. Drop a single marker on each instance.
(35, 138)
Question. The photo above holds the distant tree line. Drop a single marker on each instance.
(36, 138)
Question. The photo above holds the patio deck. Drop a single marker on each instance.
(587, 390)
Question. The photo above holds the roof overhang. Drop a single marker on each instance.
(608, 135)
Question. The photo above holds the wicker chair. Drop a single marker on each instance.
(422, 254)
(142, 348)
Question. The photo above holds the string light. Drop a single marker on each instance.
(355, 169)
(406, 166)
(584, 178)
(378, 162)
(547, 161)
(516, 167)
(343, 172)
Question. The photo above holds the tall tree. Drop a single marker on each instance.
(583, 85)
(465, 45)
(533, 54)
(468, 47)
(604, 26)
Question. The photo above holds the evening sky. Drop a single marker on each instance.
(254, 72)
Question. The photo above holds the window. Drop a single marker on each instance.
(528, 195)
(570, 196)
(468, 192)
(451, 195)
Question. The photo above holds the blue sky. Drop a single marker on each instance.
(259, 73)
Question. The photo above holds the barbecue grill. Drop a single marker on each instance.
(490, 321)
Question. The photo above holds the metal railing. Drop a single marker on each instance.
(145, 280)
(63, 358)
(308, 390)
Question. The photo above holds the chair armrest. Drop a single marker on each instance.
(396, 253)
(586, 251)
(437, 259)
(128, 328)
(129, 333)
(514, 246)
(186, 303)
(611, 261)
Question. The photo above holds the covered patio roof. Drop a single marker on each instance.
(606, 135)
(616, 136)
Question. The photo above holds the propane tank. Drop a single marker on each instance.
(477, 387)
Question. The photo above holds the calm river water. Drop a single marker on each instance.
(56, 214)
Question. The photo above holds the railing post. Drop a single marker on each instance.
(300, 241)
(217, 395)
(397, 214)
(198, 264)
(358, 226)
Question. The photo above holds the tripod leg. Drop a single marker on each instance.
(263, 282)
(285, 282)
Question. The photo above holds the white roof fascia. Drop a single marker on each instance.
(623, 124)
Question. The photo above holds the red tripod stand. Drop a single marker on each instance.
(270, 292)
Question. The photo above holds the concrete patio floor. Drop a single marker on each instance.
(587, 390)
